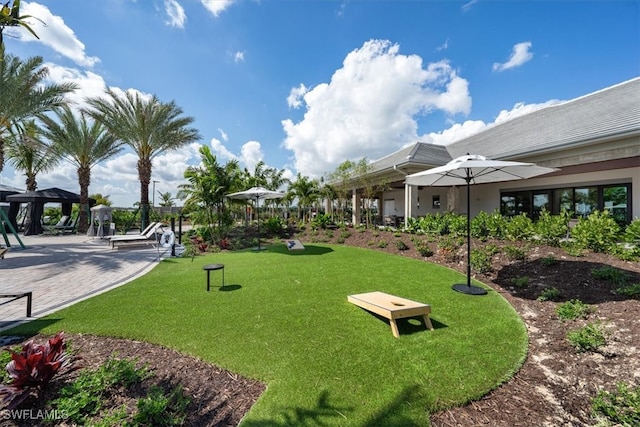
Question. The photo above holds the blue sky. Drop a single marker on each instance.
(304, 85)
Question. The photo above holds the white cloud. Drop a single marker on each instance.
(223, 134)
(443, 46)
(238, 56)
(520, 109)
(216, 7)
(519, 55)
(467, 6)
(220, 150)
(294, 100)
(456, 132)
(369, 106)
(175, 13)
(251, 154)
(52, 32)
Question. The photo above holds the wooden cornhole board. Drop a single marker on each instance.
(295, 245)
(392, 308)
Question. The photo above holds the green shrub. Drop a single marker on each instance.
(515, 253)
(610, 274)
(401, 246)
(520, 227)
(448, 248)
(548, 261)
(551, 229)
(321, 221)
(573, 309)
(632, 232)
(382, 244)
(159, 409)
(598, 232)
(520, 282)
(480, 261)
(274, 225)
(630, 291)
(573, 249)
(549, 294)
(621, 407)
(423, 248)
(588, 338)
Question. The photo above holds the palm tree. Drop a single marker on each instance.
(148, 126)
(306, 191)
(166, 200)
(27, 153)
(84, 145)
(23, 93)
(206, 188)
(10, 17)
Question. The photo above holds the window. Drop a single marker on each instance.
(580, 201)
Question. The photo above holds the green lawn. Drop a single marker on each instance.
(284, 319)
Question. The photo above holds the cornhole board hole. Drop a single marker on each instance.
(392, 307)
(295, 245)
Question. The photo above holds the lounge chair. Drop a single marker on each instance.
(69, 227)
(148, 235)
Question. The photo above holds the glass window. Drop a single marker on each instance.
(508, 205)
(564, 200)
(541, 201)
(586, 201)
(615, 200)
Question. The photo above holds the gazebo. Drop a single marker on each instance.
(37, 200)
(100, 215)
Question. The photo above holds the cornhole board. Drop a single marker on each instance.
(295, 245)
(392, 308)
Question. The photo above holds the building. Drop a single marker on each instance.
(593, 139)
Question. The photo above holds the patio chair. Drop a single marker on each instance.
(70, 226)
(149, 235)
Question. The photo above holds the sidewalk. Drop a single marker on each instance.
(63, 270)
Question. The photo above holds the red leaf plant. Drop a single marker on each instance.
(33, 368)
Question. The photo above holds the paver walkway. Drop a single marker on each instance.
(63, 270)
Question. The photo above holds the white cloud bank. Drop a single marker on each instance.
(369, 107)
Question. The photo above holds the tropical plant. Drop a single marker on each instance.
(307, 191)
(205, 191)
(339, 181)
(10, 17)
(27, 153)
(33, 368)
(166, 200)
(24, 94)
(147, 125)
(83, 144)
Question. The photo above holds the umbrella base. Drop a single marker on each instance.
(470, 290)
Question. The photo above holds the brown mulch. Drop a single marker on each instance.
(554, 386)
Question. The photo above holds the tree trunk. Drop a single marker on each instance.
(84, 179)
(144, 174)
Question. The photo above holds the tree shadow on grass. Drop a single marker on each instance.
(324, 413)
(308, 250)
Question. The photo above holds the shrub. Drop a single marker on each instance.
(33, 368)
(549, 294)
(632, 232)
(588, 338)
(621, 407)
(382, 244)
(572, 249)
(159, 409)
(448, 247)
(551, 229)
(423, 248)
(610, 274)
(520, 282)
(573, 309)
(548, 261)
(480, 261)
(515, 253)
(520, 227)
(83, 397)
(401, 246)
(274, 225)
(630, 291)
(598, 232)
(321, 221)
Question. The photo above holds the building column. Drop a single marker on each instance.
(408, 197)
(355, 211)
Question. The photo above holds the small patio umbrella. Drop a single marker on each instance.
(474, 169)
(257, 194)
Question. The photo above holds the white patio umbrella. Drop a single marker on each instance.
(474, 169)
(257, 194)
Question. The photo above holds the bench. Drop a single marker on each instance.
(392, 307)
(18, 296)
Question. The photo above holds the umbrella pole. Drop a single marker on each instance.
(467, 288)
(258, 218)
